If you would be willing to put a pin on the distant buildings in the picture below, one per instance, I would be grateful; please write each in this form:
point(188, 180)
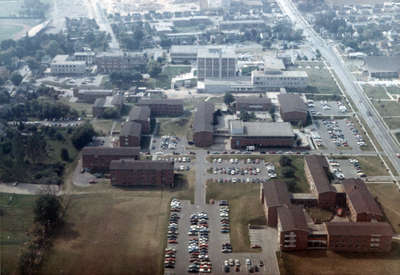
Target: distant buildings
point(292, 108)
point(102, 105)
point(261, 134)
point(285, 79)
point(141, 115)
point(240, 24)
point(120, 62)
point(163, 107)
point(203, 128)
point(218, 63)
point(90, 96)
point(66, 65)
point(383, 66)
point(127, 172)
point(253, 104)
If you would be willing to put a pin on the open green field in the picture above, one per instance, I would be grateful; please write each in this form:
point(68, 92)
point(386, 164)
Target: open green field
point(325, 262)
point(372, 166)
point(375, 92)
point(393, 122)
point(163, 80)
point(175, 126)
point(394, 90)
point(387, 108)
point(79, 106)
point(245, 209)
point(16, 218)
point(389, 198)
point(102, 125)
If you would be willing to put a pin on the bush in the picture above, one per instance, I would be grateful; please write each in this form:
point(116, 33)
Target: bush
point(285, 161)
point(288, 172)
point(83, 135)
point(47, 211)
point(64, 154)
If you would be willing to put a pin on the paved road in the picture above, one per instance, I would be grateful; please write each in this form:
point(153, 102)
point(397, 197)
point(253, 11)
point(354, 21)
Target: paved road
point(353, 90)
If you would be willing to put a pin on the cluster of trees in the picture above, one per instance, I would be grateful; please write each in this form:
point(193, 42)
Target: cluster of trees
point(132, 36)
point(246, 116)
point(288, 171)
point(34, 8)
point(83, 135)
point(336, 26)
point(48, 217)
point(125, 80)
point(38, 110)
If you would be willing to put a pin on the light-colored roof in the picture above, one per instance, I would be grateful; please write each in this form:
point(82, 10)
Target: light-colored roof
point(65, 59)
point(383, 63)
point(216, 52)
point(281, 74)
point(262, 129)
point(273, 63)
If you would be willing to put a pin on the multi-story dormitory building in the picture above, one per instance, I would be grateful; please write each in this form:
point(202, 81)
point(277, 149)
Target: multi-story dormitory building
point(364, 231)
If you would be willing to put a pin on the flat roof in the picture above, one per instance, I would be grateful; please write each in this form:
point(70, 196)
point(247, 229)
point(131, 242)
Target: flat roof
point(262, 129)
point(130, 164)
point(273, 63)
point(252, 100)
point(318, 166)
point(276, 194)
point(149, 101)
point(292, 103)
point(358, 228)
point(383, 63)
point(216, 52)
point(65, 59)
point(281, 74)
point(139, 113)
point(203, 118)
point(111, 151)
point(292, 218)
point(131, 128)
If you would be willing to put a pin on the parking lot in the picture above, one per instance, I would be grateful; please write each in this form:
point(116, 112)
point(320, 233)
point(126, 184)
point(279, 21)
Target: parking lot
point(181, 163)
point(346, 168)
point(337, 134)
point(327, 108)
point(168, 145)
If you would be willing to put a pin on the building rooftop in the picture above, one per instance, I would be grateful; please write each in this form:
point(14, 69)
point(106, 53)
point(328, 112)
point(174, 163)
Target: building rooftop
point(183, 49)
point(112, 151)
point(216, 52)
point(252, 100)
point(276, 194)
point(130, 164)
point(105, 92)
point(358, 228)
point(292, 218)
point(318, 168)
point(281, 74)
point(139, 113)
point(261, 129)
point(65, 59)
point(291, 103)
point(204, 117)
point(131, 128)
point(273, 63)
point(383, 63)
point(361, 199)
point(149, 101)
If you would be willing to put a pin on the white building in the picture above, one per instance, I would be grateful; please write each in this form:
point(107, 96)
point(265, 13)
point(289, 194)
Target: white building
point(63, 64)
point(216, 63)
point(274, 80)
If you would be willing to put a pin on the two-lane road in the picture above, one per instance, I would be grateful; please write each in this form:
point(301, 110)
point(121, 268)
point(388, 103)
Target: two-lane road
point(354, 91)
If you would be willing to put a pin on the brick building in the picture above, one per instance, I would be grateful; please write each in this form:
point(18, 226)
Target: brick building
point(109, 103)
point(142, 172)
point(253, 104)
point(99, 158)
point(203, 128)
point(109, 62)
point(130, 134)
point(261, 134)
point(362, 206)
point(292, 228)
point(273, 195)
point(359, 237)
point(163, 107)
point(90, 96)
point(316, 169)
point(141, 114)
point(292, 108)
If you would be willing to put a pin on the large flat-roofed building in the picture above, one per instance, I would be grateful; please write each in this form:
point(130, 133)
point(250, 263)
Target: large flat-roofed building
point(90, 96)
point(203, 128)
point(183, 53)
point(63, 64)
point(88, 57)
point(253, 103)
point(141, 114)
point(142, 172)
point(120, 62)
point(130, 134)
point(261, 134)
point(292, 228)
point(359, 237)
point(101, 105)
point(239, 24)
point(285, 79)
point(293, 108)
point(217, 63)
point(316, 169)
point(383, 66)
point(163, 107)
point(273, 65)
point(362, 206)
point(99, 158)
point(273, 195)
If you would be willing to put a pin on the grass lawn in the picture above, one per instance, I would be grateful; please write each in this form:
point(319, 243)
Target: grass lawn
point(16, 218)
point(369, 146)
point(393, 122)
point(115, 230)
point(389, 197)
point(372, 166)
point(79, 106)
point(324, 262)
point(163, 80)
point(102, 125)
point(245, 209)
point(387, 108)
point(321, 215)
point(175, 126)
point(375, 92)
point(394, 90)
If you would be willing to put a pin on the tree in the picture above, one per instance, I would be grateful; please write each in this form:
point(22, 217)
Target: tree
point(64, 154)
point(16, 79)
point(47, 211)
point(288, 172)
point(228, 98)
point(83, 135)
point(154, 68)
point(285, 161)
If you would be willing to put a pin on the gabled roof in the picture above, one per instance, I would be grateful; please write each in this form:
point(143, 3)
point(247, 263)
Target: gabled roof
point(358, 228)
point(130, 164)
point(139, 113)
point(291, 103)
point(111, 151)
point(360, 197)
point(203, 118)
point(276, 194)
point(131, 128)
point(318, 167)
point(292, 218)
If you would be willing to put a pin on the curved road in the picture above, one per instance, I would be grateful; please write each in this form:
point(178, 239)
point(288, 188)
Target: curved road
point(354, 91)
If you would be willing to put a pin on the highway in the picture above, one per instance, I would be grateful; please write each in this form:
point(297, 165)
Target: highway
point(353, 90)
